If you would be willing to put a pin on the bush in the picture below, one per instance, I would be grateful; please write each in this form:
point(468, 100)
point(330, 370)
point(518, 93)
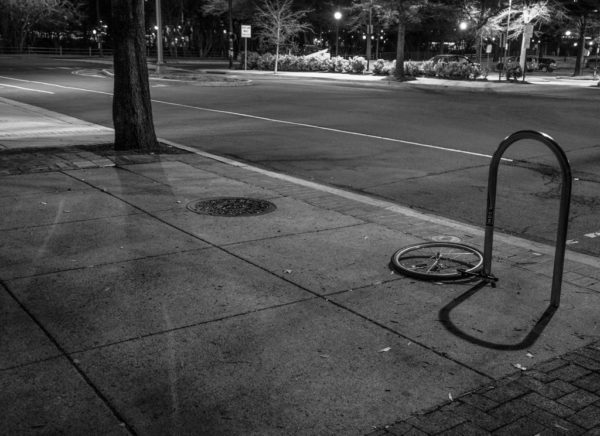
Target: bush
point(252, 62)
point(384, 68)
point(358, 64)
point(427, 68)
point(412, 69)
point(314, 63)
point(287, 63)
point(266, 62)
point(378, 67)
point(339, 65)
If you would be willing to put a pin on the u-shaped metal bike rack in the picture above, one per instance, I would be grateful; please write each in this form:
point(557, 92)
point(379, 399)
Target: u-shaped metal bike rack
point(563, 218)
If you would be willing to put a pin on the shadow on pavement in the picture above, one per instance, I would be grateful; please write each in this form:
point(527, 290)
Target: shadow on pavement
point(528, 341)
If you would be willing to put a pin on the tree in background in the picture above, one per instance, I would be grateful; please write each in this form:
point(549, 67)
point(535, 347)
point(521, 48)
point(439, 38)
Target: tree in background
point(278, 23)
point(401, 13)
point(583, 15)
point(132, 108)
point(18, 18)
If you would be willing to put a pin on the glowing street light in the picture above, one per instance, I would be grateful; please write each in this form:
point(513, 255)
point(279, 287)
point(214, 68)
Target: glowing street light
point(338, 16)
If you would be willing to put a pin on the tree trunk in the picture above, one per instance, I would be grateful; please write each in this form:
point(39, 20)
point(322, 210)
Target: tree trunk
point(399, 72)
point(132, 108)
point(580, 47)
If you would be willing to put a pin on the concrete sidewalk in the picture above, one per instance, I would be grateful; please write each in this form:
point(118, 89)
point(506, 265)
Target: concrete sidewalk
point(125, 312)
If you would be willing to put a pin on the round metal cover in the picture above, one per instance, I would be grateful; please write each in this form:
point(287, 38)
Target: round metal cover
point(231, 206)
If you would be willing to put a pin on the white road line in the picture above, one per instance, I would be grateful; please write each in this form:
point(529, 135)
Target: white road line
point(57, 86)
point(274, 120)
point(329, 129)
point(25, 89)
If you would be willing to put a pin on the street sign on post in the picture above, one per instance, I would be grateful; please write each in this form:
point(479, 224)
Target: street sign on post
point(246, 33)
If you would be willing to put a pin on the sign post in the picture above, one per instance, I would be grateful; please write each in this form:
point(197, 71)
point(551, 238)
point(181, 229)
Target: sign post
point(246, 33)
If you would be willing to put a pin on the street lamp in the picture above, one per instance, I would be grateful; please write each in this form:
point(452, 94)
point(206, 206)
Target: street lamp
point(369, 34)
point(463, 26)
point(338, 16)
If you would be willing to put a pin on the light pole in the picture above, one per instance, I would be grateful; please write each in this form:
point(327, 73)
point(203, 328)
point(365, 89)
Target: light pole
point(369, 33)
point(159, 46)
point(505, 40)
point(338, 16)
point(230, 52)
point(463, 26)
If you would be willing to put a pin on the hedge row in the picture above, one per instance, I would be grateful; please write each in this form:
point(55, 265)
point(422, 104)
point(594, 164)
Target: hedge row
point(338, 64)
point(358, 64)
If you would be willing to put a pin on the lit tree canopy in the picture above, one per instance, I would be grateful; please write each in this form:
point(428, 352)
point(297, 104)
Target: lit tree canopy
point(20, 17)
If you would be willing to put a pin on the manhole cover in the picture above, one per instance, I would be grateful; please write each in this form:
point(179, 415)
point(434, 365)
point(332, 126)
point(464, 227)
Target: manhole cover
point(231, 206)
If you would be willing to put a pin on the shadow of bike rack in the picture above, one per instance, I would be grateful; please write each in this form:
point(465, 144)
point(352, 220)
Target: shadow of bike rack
point(563, 217)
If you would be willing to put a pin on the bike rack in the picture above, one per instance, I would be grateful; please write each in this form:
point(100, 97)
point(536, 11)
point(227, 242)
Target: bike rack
point(565, 199)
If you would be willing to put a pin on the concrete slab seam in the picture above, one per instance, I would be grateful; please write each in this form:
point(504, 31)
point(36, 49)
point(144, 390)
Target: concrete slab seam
point(113, 409)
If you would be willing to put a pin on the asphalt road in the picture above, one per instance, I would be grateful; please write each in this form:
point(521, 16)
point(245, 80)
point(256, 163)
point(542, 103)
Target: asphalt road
point(427, 148)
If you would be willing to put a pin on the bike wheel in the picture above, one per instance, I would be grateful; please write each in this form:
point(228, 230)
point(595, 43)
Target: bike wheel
point(437, 260)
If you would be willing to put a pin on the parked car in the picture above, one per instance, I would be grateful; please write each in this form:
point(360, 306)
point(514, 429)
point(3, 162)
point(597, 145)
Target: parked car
point(592, 63)
point(546, 64)
point(450, 58)
point(531, 63)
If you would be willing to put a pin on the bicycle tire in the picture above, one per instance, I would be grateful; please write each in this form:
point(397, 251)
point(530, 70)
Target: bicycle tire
point(425, 261)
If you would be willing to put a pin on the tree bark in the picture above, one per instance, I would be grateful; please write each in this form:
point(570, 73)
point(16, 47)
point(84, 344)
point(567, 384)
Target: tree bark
point(399, 72)
point(580, 47)
point(132, 107)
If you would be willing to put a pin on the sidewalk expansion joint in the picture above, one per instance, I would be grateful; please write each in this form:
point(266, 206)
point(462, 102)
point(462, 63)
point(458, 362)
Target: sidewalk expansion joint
point(192, 325)
point(70, 359)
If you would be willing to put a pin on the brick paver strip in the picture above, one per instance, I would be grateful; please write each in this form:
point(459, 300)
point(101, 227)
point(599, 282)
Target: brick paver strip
point(569, 372)
point(579, 399)
point(505, 393)
point(548, 405)
point(436, 421)
point(544, 389)
point(589, 382)
point(591, 352)
point(465, 429)
point(550, 365)
point(587, 418)
point(563, 386)
point(478, 417)
point(480, 402)
point(511, 411)
point(555, 423)
point(523, 426)
point(583, 360)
